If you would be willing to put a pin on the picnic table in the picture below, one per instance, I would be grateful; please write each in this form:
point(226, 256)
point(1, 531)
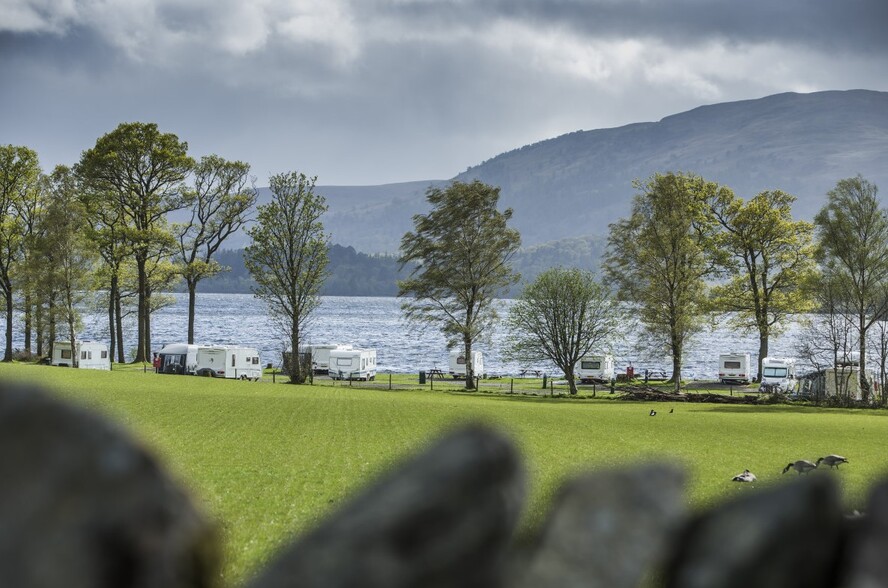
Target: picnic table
point(524, 373)
point(435, 373)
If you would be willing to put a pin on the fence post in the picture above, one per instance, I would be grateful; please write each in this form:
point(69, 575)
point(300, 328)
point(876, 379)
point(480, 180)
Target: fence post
point(511, 385)
point(390, 381)
point(273, 374)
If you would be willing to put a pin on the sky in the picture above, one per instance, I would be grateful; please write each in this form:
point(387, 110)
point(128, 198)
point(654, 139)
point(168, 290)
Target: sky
point(361, 92)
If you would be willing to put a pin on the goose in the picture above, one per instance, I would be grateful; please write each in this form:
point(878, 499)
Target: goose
point(802, 466)
point(832, 461)
point(653, 412)
point(746, 476)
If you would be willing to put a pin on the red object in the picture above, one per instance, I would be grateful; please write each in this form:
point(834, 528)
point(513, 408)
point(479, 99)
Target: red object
point(630, 372)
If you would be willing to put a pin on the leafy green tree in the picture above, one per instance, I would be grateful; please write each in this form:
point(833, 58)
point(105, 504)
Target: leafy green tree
point(768, 257)
point(853, 252)
point(560, 317)
point(19, 177)
point(288, 257)
point(222, 201)
point(66, 252)
point(462, 250)
point(139, 171)
point(660, 255)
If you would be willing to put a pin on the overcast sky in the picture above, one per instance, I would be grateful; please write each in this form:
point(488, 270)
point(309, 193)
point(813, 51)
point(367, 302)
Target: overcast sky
point(377, 91)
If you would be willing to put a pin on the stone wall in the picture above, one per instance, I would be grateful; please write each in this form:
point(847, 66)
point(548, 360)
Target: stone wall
point(82, 505)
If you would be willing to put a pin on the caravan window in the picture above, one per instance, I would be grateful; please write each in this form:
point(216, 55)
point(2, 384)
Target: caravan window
point(732, 365)
point(460, 360)
point(256, 360)
point(590, 365)
point(86, 355)
point(232, 360)
point(774, 372)
point(65, 353)
point(344, 361)
point(104, 354)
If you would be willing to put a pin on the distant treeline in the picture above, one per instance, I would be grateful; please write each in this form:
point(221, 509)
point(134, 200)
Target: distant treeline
point(353, 273)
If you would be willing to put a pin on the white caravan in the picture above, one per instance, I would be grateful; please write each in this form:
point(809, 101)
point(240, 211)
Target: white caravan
point(595, 369)
point(228, 361)
point(91, 355)
point(457, 364)
point(320, 355)
point(178, 358)
point(353, 364)
point(778, 375)
point(734, 368)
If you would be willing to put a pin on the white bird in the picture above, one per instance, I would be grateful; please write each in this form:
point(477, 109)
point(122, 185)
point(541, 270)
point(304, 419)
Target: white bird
point(802, 466)
point(832, 461)
point(746, 476)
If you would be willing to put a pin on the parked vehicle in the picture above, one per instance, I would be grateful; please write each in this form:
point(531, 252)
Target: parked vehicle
point(353, 364)
point(778, 375)
point(178, 358)
point(320, 355)
point(457, 364)
point(91, 355)
point(228, 361)
point(734, 368)
point(592, 369)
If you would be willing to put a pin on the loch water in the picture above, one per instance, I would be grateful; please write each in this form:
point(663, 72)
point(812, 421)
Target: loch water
point(377, 322)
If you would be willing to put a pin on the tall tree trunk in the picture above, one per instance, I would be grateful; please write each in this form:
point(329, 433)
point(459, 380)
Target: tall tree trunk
point(111, 326)
point(192, 297)
point(296, 372)
point(865, 386)
point(147, 324)
point(571, 380)
point(676, 362)
point(38, 328)
point(142, 304)
point(763, 352)
point(7, 354)
point(118, 311)
point(470, 365)
point(28, 325)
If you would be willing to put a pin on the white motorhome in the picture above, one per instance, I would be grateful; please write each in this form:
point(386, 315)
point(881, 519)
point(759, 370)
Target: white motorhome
point(734, 368)
point(778, 375)
point(91, 355)
point(228, 361)
point(457, 364)
point(595, 369)
point(320, 355)
point(178, 358)
point(353, 364)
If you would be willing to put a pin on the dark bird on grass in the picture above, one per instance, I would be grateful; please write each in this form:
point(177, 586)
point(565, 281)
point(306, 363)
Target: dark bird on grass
point(746, 476)
point(653, 412)
point(671, 410)
point(802, 466)
point(832, 461)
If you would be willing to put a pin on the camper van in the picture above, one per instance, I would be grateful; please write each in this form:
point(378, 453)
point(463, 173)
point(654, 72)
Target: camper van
point(593, 369)
point(353, 364)
point(320, 355)
point(457, 364)
point(778, 375)
point(734, 368)
point(178, 358)
point(91, 355)
point(228, 361)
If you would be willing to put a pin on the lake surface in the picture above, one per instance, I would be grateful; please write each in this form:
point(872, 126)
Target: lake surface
point(401, 348)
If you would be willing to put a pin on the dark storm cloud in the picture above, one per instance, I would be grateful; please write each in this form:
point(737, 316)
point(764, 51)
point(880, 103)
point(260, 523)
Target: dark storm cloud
point(371, 90)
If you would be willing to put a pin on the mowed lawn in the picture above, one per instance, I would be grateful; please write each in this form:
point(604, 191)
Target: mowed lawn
point(269, 460)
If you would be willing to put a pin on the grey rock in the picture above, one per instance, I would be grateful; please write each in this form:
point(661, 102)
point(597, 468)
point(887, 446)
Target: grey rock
point(868, 544)
point(607, 528)
point(442, 519)
point(783, 537)
point(82, 505)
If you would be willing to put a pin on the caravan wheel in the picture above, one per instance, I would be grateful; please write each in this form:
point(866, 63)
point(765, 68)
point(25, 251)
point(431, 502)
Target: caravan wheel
point(243, 377)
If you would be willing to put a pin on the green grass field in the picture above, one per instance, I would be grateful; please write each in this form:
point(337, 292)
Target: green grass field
point(267, 460)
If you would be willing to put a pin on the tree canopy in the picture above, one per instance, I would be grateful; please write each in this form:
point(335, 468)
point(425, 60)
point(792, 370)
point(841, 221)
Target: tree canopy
point(288, 257)
point(660, 255)
point(768, 257)
point(462, 249)
point(561, 316)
